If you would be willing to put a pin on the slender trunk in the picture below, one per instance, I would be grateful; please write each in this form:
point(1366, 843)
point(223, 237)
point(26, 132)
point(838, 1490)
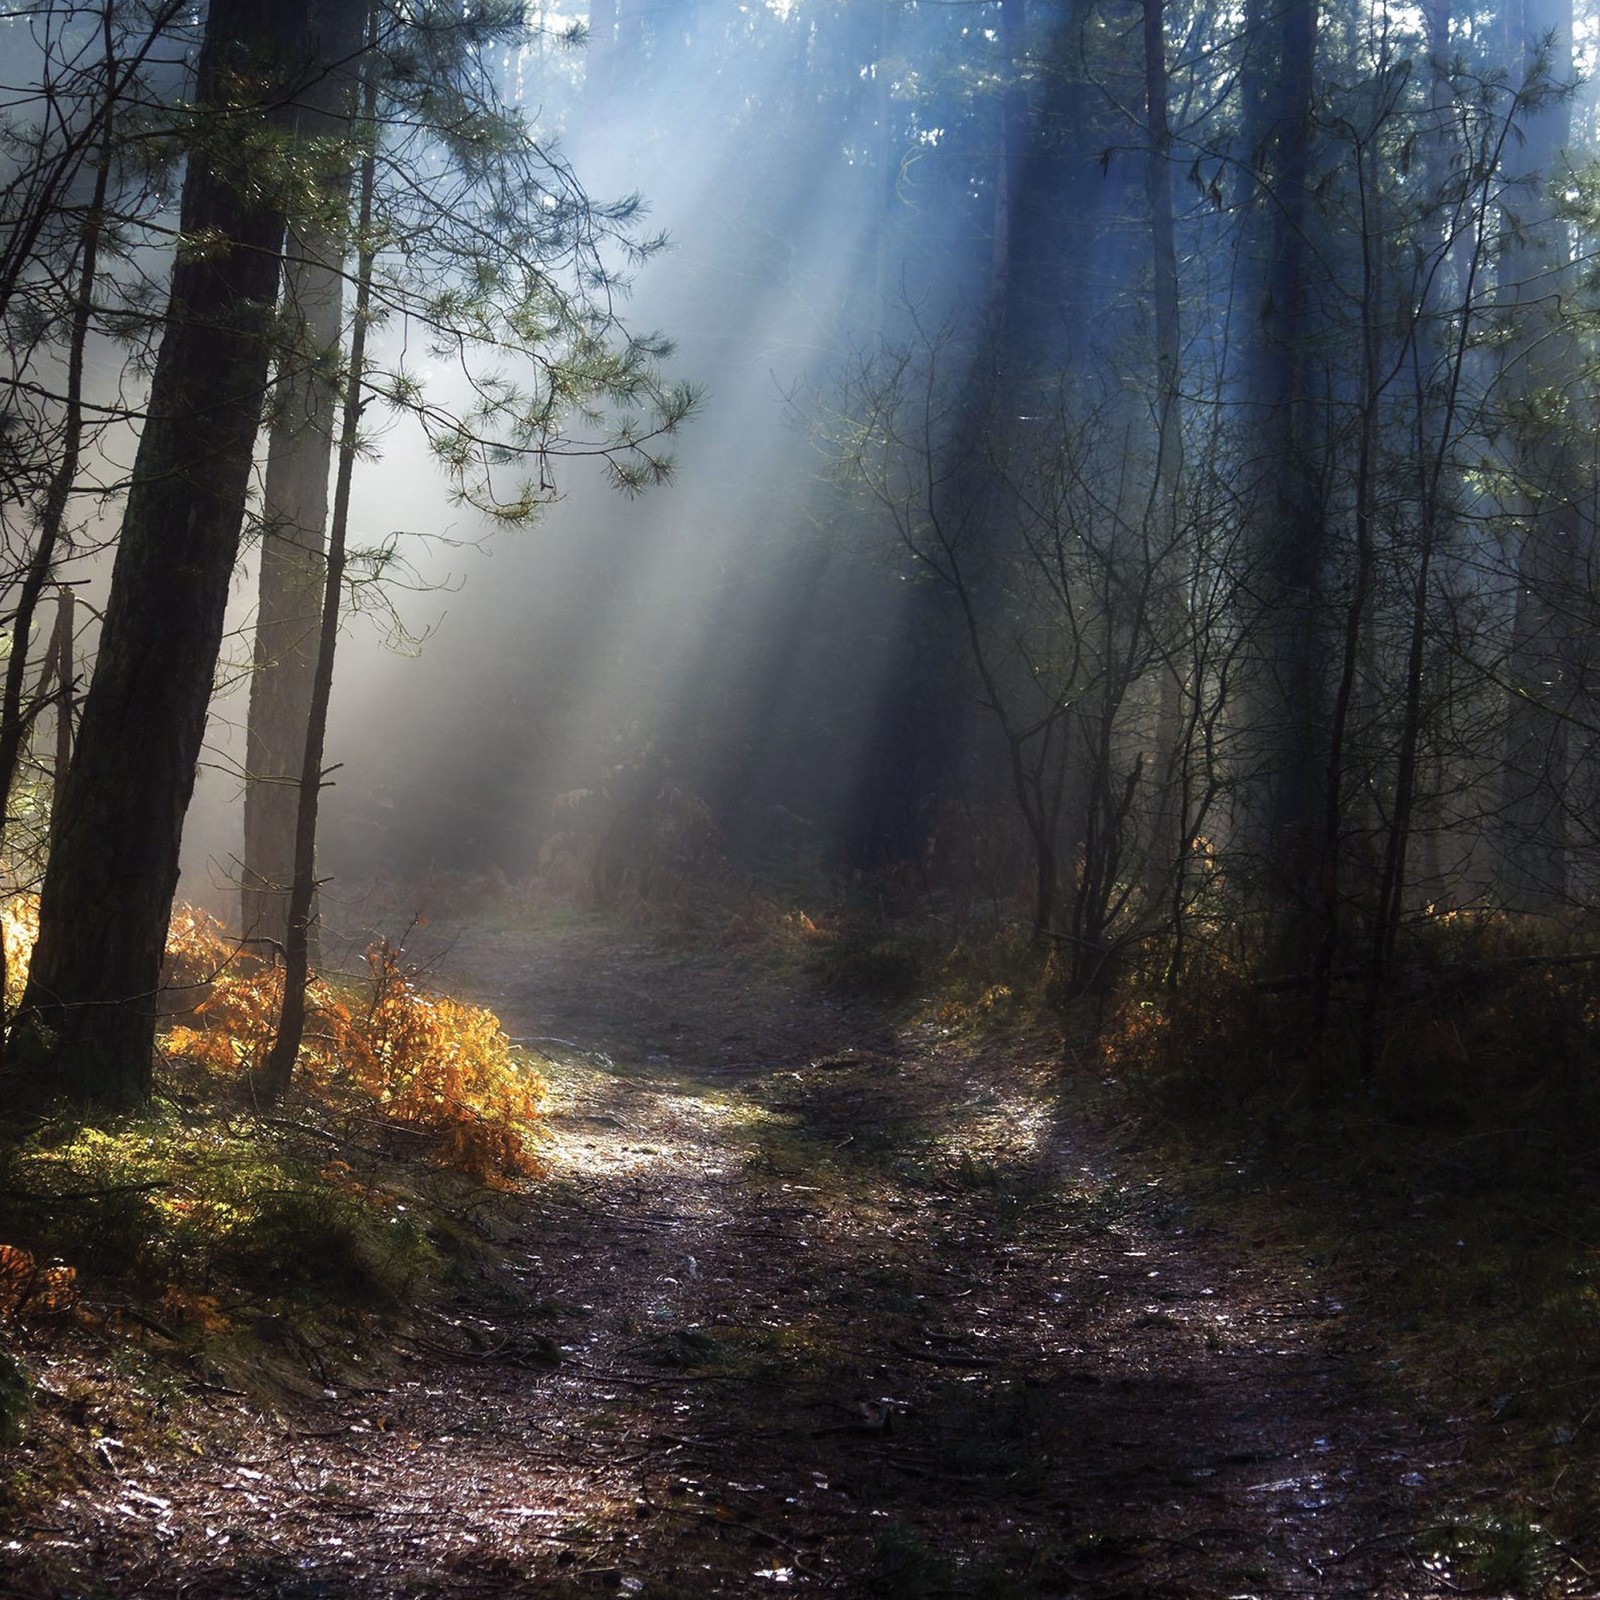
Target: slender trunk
point(88, 1014)
point(279, 1066)
point(885, 163)
point(1436, 427)
point(1164, 858)
point(1541, 364)
point(295, 509)
point(1356, 618)
point(1010, 149)
point(14, 716)
point(293, 537)
point(61, 652)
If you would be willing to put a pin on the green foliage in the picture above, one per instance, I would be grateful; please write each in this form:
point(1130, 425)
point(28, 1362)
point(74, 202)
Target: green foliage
point(324, 1243)
point(1499, 1554)
point(196, 1214)
point(484, 237)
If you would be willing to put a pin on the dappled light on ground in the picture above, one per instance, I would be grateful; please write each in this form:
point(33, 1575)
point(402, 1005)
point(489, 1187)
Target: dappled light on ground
point(814, 1304)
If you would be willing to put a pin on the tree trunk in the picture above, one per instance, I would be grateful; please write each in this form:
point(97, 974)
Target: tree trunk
point(1164, 863)
point(87, 1021)
point(301, 908)
point(295, 510)
point(61, 653)
point(1287, 715)
point(1541, 367)
point(1010, 154)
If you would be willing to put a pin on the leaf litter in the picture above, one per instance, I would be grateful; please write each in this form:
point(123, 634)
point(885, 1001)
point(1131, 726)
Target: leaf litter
point(807, 1301)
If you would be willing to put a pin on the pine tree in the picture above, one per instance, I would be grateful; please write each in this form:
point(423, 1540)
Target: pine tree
point(87, 1019)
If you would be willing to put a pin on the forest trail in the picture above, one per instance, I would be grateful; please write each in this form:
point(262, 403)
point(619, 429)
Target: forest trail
point(804, 1304)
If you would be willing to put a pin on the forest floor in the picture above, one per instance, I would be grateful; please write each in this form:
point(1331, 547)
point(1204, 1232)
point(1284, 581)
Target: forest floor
point(809, 1300)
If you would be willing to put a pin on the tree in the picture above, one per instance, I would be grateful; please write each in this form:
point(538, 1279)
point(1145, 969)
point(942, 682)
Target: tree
point(1285, 426)
point(87, 1019)
point(295, 506)
point(487, 249)
point(1545, 480)
point(275, 1071)
point(510, 220)
point(76, 193)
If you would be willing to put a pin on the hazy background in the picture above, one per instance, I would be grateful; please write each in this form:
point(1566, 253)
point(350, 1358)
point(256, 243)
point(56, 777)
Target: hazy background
point(726, 637)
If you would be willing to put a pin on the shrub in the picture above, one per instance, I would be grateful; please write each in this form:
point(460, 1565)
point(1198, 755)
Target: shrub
point(27, 1287)
point(1211, 1042)
point(318, 1241)
point(187, 1204)
point(186, 1215)
point(19, 927)
point(424, 1061)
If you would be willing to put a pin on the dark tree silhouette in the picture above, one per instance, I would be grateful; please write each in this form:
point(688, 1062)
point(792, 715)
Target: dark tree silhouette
point(87, 1020)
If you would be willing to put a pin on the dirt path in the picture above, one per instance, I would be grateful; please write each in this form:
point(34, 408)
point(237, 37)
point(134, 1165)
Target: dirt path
point(805, 1304)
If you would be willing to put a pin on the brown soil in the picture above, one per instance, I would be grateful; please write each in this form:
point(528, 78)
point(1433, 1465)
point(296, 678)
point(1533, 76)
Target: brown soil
point(808, 1302)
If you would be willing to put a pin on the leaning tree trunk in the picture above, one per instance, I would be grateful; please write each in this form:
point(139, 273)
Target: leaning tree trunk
point(87, 1021)
point(295, 509)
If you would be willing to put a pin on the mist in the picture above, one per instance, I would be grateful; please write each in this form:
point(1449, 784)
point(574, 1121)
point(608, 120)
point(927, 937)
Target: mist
point(725, 637)
point(1046, 862)
point(1075, 518)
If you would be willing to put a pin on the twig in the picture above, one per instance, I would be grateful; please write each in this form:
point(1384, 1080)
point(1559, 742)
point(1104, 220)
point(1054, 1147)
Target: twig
point(108, 1307)
point(934, 1359)
point(84, 1194)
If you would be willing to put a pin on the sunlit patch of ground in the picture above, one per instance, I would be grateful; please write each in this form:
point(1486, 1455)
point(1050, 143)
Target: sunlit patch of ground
point(604, 1123)
point(804, 1304)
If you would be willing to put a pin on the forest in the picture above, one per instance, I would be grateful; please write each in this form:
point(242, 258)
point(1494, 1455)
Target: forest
point(799, 795)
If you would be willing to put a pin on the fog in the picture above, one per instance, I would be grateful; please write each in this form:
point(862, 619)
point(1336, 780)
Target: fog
point(1125, 461)
point(727, 635)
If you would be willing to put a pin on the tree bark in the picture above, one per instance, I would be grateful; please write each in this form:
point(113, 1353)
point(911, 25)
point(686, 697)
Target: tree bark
point(1288, 536)
point(1164, 856)
point(87, 1021)
point(295, 508)
point(61, 654)
point(1541, 367)
point(301, 908)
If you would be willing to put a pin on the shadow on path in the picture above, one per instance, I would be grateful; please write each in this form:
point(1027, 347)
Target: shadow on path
point(807, 1304)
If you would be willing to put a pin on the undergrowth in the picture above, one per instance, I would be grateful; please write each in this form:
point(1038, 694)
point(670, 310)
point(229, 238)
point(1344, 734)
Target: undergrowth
point(204, 1215)
point(944, 973)
point(1453, 1192)
point(426, 1062)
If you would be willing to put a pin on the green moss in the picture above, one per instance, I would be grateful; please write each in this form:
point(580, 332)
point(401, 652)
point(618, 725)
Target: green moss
point(196, 1209)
